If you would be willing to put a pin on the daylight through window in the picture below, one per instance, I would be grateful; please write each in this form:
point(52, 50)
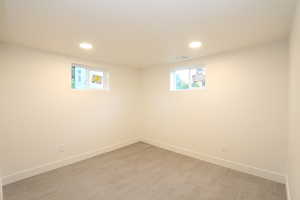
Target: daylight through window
point(83, 77)
point(188, 78)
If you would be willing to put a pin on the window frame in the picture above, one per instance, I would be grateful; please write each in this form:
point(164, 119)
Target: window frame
point(106, 86)
point(173, 80)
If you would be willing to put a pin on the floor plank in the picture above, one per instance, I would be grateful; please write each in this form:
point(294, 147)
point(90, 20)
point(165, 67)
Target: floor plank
point(144, 172)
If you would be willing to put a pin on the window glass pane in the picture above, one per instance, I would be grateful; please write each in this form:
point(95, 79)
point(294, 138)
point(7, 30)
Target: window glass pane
point(182, 79)
point(85, 78)
point(79, 77)
point(197, 77)
point(96, 79)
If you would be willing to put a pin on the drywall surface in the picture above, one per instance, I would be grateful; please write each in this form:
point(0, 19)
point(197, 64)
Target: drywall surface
point(1, 194)
point(44, 121)
point(239, 119)
point(294, 103)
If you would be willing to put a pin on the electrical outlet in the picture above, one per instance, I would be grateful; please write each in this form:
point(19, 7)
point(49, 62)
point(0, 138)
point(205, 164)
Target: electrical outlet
point(224, 150)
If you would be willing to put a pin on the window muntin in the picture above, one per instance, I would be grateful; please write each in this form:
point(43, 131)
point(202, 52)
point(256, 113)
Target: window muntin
point(188, 78)
point(83, 77)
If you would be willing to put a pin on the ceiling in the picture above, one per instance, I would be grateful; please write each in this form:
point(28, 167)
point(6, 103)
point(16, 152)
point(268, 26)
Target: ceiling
point(141, 33)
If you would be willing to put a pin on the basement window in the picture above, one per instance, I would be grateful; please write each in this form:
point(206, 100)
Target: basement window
point(188, 78)
point(84, 77)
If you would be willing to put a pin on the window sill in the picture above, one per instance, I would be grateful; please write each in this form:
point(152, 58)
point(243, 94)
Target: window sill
point(184, 90)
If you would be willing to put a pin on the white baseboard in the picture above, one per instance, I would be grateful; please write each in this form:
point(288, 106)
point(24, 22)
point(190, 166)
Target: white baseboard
point(274, 176)
point(60, 163)
point(287, 185)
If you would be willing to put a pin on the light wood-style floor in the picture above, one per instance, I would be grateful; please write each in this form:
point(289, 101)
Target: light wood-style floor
point(144, 172)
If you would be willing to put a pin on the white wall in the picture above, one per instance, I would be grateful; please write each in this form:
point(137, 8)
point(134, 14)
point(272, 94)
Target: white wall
point(40, 111)
point(294, 103)
point(1, 155)
point(1, 195)
point(240, 117)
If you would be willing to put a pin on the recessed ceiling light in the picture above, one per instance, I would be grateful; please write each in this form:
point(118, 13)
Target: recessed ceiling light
point(85, 45)
point(195, 44)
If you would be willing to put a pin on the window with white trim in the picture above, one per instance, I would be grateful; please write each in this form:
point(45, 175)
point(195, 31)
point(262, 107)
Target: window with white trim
point(84, 77)
point(188, 78)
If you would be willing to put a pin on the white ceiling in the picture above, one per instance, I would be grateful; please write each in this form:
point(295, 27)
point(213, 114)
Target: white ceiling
point(141, 33)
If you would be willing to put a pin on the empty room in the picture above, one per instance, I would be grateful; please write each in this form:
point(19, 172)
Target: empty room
point(149, 100)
